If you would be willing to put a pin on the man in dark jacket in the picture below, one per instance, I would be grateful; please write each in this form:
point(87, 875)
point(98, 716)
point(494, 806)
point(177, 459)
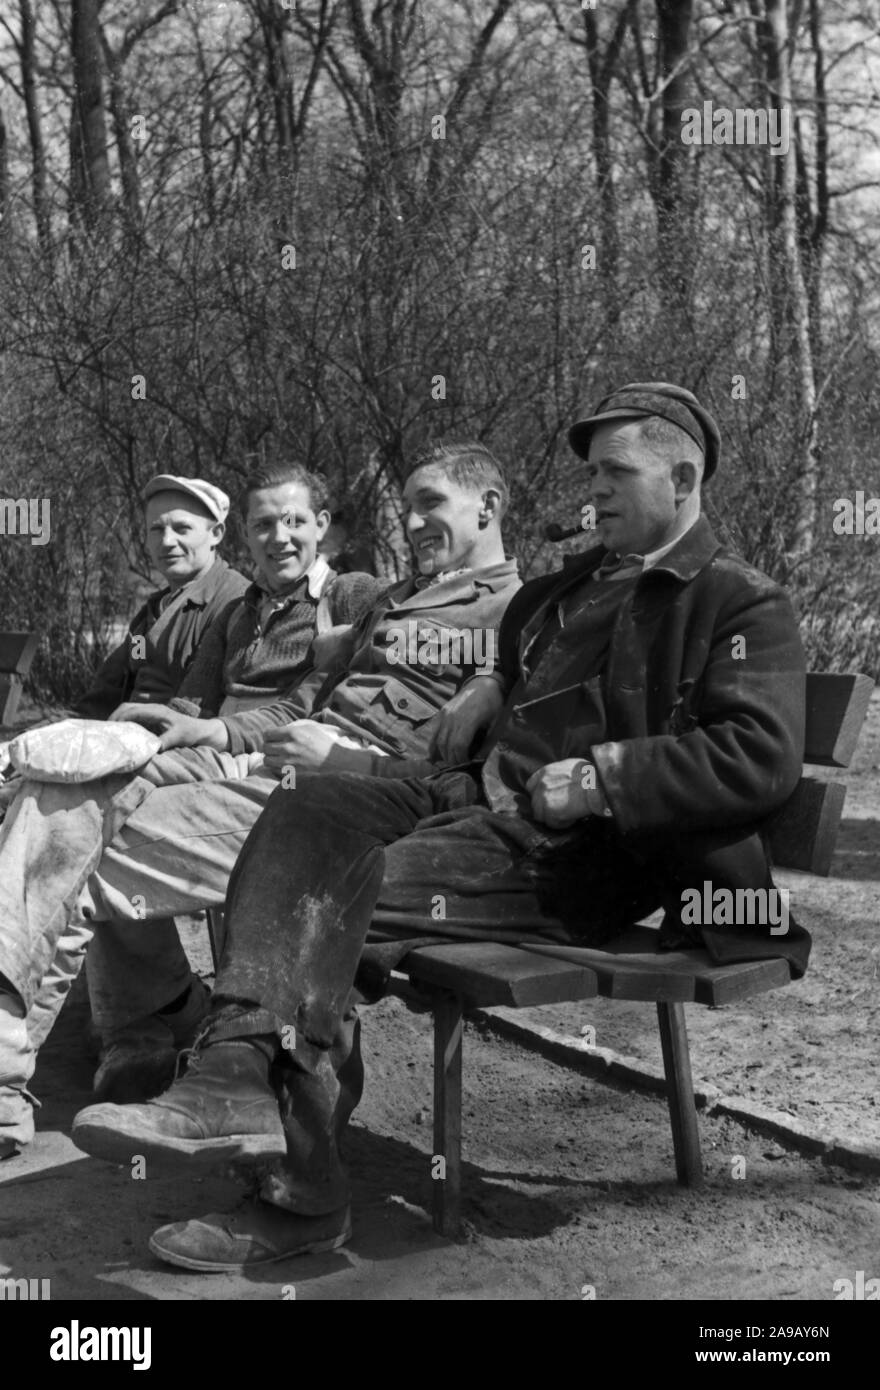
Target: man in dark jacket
point(646, 718)
point(185, 521)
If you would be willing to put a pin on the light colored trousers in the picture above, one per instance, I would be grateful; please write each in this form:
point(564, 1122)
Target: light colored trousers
point(120, 852)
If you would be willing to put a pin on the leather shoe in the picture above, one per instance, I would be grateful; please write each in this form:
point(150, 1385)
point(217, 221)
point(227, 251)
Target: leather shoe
point(222, 1111)
point(258, 1235)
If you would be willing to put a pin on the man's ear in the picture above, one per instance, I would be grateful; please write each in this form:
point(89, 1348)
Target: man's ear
point(322, 522)
point(218, 531)
point(491, 506)
point(686, 477)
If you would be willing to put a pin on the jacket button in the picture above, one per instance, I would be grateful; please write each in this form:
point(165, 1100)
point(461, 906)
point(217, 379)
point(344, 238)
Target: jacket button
point(402, 703)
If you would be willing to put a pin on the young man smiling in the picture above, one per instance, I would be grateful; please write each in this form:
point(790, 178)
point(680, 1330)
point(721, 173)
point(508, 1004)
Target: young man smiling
point(178, 842)
point(630, 754)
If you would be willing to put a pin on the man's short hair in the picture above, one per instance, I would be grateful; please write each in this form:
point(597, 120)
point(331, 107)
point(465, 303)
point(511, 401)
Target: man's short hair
point(467, 463)
point(670, 442)
point(276, 474)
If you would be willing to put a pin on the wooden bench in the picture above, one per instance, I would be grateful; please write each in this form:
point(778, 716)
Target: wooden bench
point(467, 975)
point(17, 650)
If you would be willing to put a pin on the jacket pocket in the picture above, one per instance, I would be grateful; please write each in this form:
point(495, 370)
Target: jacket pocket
point(398, 716)
point(564, 723)
point(404, 703)
point(681, 718)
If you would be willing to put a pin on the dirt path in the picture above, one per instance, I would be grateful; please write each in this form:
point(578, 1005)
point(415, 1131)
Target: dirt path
point(568, 1182)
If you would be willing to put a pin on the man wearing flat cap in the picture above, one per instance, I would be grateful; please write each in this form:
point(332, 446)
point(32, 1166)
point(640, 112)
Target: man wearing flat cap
point(185, 523)
point(646, 718)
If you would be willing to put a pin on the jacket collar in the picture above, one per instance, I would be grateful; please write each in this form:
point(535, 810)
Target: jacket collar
point(199, 591)
point(457, 588)
point(687, 557)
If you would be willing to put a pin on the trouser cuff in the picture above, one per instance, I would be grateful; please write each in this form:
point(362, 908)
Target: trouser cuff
point(238, 1021)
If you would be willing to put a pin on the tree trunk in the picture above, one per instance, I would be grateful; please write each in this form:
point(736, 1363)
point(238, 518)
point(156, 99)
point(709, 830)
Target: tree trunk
point(34, 124)
point(793, 330)
point(672, 195)
point(602, 70)
point(819, 227)
point(120, 108)
point(4, 177)
point(89, 164)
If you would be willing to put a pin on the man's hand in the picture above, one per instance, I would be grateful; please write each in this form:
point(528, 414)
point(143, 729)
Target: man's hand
point(176, 730)
point(306, 746)
point(467, 714)
point(562, 792)
point(156, 717)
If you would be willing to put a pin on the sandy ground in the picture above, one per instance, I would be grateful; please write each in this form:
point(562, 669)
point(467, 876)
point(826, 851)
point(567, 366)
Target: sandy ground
point(568, 1181)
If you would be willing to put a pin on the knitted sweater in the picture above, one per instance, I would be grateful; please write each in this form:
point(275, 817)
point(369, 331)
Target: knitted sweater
point(244, 662)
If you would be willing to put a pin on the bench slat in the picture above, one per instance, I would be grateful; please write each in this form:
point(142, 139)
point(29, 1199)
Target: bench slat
point(803, 833)
point(17, 651)
point(631, 967)
point(485, 973)
point(10, 695)
point(836, 709)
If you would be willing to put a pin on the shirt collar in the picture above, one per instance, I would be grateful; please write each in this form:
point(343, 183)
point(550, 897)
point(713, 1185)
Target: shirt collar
point(428, 581)
point(314, 580)
point(317, 576)
point(624, 566)
point(492, 577)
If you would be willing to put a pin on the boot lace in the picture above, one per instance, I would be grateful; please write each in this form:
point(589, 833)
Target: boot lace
point(189, 1058)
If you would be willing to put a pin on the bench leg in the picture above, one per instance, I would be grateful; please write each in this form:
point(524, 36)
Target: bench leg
point(447, 1114)
point(680, 1093)
point(216, 921)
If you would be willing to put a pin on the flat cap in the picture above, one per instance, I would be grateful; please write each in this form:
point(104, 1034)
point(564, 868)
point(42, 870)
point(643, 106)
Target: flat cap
point(211, 497)
point(642, 398)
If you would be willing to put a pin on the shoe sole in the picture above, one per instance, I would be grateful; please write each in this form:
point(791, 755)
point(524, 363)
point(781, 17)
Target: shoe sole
point(119, 1144)
point(241, 1266)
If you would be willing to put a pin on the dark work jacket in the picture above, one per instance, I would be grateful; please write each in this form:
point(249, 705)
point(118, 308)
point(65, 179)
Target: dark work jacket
point(704, 699)
point(149, 665)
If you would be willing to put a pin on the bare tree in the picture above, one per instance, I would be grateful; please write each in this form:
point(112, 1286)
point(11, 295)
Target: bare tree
point(793, 321)
point(25, 49)
point(90, 189)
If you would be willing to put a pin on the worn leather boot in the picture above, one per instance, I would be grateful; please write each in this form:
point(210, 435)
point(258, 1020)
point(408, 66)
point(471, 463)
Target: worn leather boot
point(139, 1061)
point(223, 1111)
point(259, 1234)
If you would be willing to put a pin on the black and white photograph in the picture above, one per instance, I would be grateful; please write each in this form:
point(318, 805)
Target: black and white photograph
point(439, 627)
